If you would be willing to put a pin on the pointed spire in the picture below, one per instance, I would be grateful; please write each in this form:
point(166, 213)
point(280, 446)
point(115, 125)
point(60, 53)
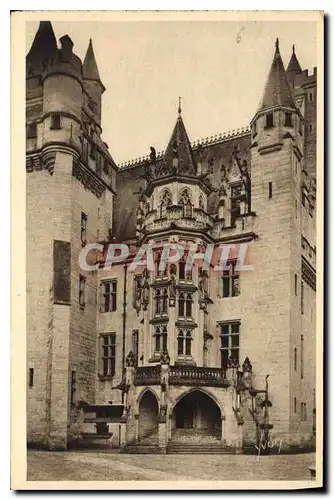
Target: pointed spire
point(178, 152)
point(89, 69)
point(179, 108)
point(277, 90)
point(42, 47)
point(293, 67)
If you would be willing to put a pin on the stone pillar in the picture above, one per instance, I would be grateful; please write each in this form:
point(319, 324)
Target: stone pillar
point(223, 432)
point(122, 437)
point(163, 428)
point(136, 416)
point(164, 360)
point(239, 442)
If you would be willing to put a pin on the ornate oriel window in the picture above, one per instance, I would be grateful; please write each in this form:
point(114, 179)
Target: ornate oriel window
point(165, 201)
point(185, 200)
point(182, 303)
point(185, 273)
point(184, 340)
point(160, 338)
point(230, 281)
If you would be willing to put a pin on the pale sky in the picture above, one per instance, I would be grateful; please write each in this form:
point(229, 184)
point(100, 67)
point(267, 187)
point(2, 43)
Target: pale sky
point(145, 66)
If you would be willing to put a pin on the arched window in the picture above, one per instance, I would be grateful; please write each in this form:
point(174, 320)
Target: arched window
point(189, 302)
point(158, 272)
point(164, 301)
point(181, 304)
point(182, 269)
point(201, 202)
point(184, 343)
point(160, 335)
point(180, 341)
point(165, 201)
point(188, 343)
point(185, 200)
point(157, 299)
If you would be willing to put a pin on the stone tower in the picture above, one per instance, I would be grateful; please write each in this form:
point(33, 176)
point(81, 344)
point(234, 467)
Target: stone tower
point(70, 189)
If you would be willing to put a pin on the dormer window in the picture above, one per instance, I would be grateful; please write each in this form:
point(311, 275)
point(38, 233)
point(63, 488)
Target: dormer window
point(185, 200)
point(166, 201)
point(269, 120)
point(288, 119)
point(55, 123)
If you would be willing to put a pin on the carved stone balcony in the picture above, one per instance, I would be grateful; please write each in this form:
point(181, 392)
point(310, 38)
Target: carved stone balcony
point(182, 375)
point(175, 215)
point(197, 376)
point(148, 375)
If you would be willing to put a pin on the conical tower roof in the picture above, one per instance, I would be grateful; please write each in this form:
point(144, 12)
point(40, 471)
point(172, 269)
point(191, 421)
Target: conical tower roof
point(89, 69)
point(277, 91)
point(43, 46)
point(179, 148)
point(293, 67)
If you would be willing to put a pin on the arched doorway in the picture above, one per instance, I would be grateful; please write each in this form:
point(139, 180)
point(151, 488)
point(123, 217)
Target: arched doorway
point(148, 416)
point(196, 414)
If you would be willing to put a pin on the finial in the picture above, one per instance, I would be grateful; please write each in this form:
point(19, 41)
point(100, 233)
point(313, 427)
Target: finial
point(293, 48)
point(277, 45)
point(179, 108)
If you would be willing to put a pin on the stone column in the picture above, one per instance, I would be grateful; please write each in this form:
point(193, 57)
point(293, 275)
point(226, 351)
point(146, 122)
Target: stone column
point(223, 432)
point(136, 416)
point(164, 360)
point(239, 442)
point(122, 437)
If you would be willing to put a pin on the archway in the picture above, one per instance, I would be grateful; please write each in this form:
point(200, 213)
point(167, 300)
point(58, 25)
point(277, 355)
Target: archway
point(148, 416)
point(196, 413)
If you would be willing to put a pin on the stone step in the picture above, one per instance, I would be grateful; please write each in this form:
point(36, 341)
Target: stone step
point(138, 449)
point(198, 450)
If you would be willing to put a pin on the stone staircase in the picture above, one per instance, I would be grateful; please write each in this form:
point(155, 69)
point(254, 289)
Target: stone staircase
point(147, 444)
point(196, 441)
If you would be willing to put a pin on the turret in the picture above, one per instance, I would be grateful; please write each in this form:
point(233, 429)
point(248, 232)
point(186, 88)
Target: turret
point(62, 95)
point(92, 82)
point(277, 117)
point(42, 48)
point(293, 68)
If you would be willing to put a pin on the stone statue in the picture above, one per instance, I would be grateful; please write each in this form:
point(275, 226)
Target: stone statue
point(164, 357)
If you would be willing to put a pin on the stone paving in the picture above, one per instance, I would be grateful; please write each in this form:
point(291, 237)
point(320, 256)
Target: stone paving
point(97, 466)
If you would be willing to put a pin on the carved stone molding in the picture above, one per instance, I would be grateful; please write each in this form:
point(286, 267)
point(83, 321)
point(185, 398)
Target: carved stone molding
point(44, 162)
point(88, 179)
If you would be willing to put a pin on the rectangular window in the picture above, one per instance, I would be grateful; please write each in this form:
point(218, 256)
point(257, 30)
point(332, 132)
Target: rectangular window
point(109, 354)
point(288, 119)
point(310, 129)
point(229, 342)
point(135, 339)
point(303, 412)
point(302, 356)
point(73, 385)
point(106, 167)
point(108, 296)
point(55, 123)
point(83, 235)
point(32, 130)
point(296, 284)
point(295, 359)
point(31, 377)
point(254, 130)
point(302, 298)
point(230, 281)
point(82, 287)
point(160, 339)
point(269, 120)
point(311, 96)
point(294, 405)
point(270, 190)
